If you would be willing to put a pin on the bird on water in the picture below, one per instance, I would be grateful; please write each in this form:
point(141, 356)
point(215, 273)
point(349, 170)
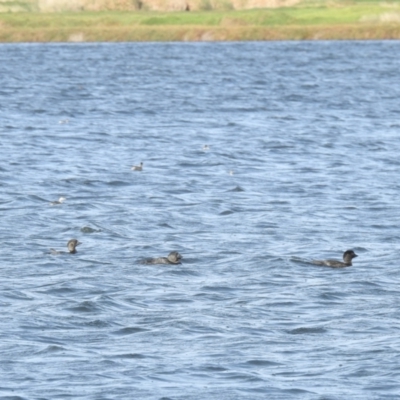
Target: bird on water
point(348, 256)
point(71, 245)
point(137, 167)
point(173, 258)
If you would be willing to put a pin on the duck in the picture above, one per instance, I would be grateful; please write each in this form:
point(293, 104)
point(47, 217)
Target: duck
point(137, 167)
point(173, 258)
point(348, 256)
point(71, 245)
point(57, 202)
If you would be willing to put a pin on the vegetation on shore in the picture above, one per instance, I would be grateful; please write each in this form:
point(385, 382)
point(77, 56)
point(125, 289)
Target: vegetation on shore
point(306, 21)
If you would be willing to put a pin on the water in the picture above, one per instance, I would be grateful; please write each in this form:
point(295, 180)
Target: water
point(303, 163)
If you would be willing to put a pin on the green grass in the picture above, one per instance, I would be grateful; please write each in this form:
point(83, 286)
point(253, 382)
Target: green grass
point(18, 6)
point(184, 18)
point(315, 18)
point(311, 14)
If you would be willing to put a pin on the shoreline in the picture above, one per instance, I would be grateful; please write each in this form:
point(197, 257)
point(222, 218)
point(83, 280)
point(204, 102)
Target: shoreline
point(200, 34)
point(297, 23)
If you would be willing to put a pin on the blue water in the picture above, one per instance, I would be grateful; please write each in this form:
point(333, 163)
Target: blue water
point(303, 163)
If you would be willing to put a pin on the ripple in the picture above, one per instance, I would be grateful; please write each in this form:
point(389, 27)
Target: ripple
point(305, 331)
point(262, 363)
point(131, 356)
point(88, 229)
point(228, 212)
point(236, 189)
point(85, 307)
point(129, 331)
point(51, 349)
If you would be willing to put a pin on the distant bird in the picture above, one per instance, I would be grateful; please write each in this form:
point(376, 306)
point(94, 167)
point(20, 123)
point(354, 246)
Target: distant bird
point(71, 247)
point(206, 147)
point(230, 172)
point(137, 167)
point(173, 258)
point(348, 256)
point(58, 202)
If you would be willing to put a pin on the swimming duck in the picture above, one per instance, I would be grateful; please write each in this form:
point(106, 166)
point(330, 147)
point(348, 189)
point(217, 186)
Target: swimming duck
point(348, 255)
point(137, 167)
point(57, 202)
point(173, 258)
point(71, 247)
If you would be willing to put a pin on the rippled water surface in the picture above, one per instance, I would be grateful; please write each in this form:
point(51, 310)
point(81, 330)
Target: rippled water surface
point(303, 162)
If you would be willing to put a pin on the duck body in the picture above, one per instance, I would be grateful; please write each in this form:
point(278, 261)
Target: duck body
point(137, 167)
point(58, 202)
point(173, 258)
point(71, 245)
point(348, 256)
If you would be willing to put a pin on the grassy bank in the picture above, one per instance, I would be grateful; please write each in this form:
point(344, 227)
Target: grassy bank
point(355, 20)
